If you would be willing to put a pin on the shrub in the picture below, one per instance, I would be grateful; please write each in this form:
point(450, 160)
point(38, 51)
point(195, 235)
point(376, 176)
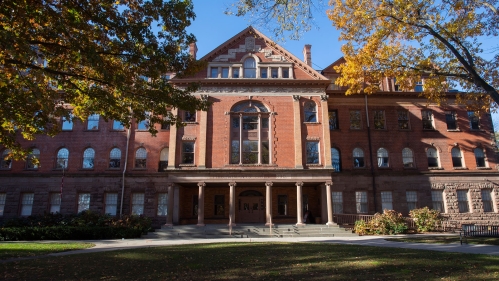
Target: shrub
point(426, 219)
point(390, 222)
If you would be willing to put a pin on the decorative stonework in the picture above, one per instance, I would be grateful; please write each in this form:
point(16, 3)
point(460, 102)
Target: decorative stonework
point(249, 47)
point(204, 98)
point(324, 97)
point(243, 90)
point(296, 97)
point(310, 138)
point(188, 138)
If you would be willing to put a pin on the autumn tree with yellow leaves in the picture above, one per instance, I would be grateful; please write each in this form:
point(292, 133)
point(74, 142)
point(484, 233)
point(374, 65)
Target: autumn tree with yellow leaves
point(104, 57)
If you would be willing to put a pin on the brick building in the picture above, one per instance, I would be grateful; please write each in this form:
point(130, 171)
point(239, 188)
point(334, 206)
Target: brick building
point(280, 139)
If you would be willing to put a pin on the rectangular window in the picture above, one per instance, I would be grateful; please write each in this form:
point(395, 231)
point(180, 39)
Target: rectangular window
point(189, 116)
point(111, 204)
point(225, 72)
point(379, 119)
point(265, 152)
point(235, 72)
point(412, 200)
point(93, 122)
point(337, 202)
point(274, 72)
point(250, 152)
point(474, 120)
point(263, 72)
point(403, 119)
point(55, 202)
point(143, 125)
point(285, 72)
point(487, 200)
point(219, 205)
point(27, 204)
point(427, 118)
point(234, 157)
point(188, 153)
point(165, 126)
point(67, 123)
point(162, 204)
point(214, 72)
point(396, 86)
point(312, 152)
point(83, 202)
point(138, 204)
point(333, 120)
point(419, 86)
point(282, 205)
point(450, 119)
point(355, 119)
point(118, 126)
point(462, 201)
point(437, 200)
point(361, 202)
point(386, 200)
point(2, 203)
point(195, 200)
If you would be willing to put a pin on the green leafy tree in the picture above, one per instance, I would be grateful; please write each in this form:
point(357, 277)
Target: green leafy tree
point(76, 58)
point(440, 41)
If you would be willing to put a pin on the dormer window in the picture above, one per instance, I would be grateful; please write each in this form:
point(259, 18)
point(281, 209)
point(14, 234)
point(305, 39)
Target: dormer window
point(214, 72)
point(263, 72)
point(250, 68)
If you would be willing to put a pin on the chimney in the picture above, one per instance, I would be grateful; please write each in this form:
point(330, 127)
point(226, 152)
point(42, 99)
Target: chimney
point(307, 54)
point(193, 49)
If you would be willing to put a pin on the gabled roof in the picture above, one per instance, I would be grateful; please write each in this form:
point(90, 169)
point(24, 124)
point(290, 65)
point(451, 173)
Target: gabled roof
point(330, 68)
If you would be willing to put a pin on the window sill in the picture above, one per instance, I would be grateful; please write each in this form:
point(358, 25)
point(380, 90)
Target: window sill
point(483, 168)
point(459, 168)
point(312, 123)
point(87, 130)
point(187, 165)
point(453, 130)
point(313, 165)
point(190, 122)
point(435, 168)
point(251, 165)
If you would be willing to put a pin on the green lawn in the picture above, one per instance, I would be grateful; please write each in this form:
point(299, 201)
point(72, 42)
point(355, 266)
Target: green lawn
point(28, 249)
point(446, 240)
point(258, 261)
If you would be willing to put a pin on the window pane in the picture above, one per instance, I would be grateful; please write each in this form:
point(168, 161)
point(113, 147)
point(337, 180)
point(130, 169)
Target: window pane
point(379, 119)
point(487, 200)
point(361, 201)
point(355, 120)
point(83, 202)
point(462, 200)
point(88, 158)
point(474, 120)
point(111, 203)
point(427, 118)
point(432, 156)
point(285, 72)
point(219, 205)
point(235, 72)
point(407, 158)
point(27, 204)
point(333, 120)
point(93, 122)
point(188, 153)
point(456, 157)
point(437, 199)
point(386, 200)
point(337, 198)
point(403, 120)
point(162, 204)
point(335, 158)
point(2, 203)
point(274, 72)
point(6, 160)
point(62, 158)
point(479, 157)
point(312, 152)
point(117, 125)
point(138, 204)
point(450, 119)
point(250, 68)
point(310, 112)
point(225, 72)
point(382, 158)
point(67, 123)
point(114, 158)
point(358, 158)
point(250, 152)
point(214, 72)
point(189, 116)
point(140, 158)
point(265, 152)
point(263, 72)
point(32, 158)
point(412, 199)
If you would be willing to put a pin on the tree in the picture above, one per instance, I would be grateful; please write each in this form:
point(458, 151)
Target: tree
point(408, 40)
point(75, 58)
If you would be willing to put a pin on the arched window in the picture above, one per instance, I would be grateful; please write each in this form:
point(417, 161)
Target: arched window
point(310, 112)
point(358, 158)
point(163, 159)
point(140, 158)
point(115, 158)
point(335, 158)
point(382, 158)
point(456, 157)
point(408, 158)
point(249, 68)
point(88, 158)
point(62, 158)
point(479, 157)
point(6, 161)
point(432, 156)
point(250, 133)
point(33, 157)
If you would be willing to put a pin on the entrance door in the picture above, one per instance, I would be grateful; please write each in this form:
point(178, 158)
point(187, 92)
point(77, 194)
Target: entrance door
point(251, 209)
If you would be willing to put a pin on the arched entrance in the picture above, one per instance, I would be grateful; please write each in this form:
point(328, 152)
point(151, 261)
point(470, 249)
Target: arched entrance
point(251, 207)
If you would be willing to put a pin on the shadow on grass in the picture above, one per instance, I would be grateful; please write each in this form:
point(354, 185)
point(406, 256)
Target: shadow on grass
point(9, 250)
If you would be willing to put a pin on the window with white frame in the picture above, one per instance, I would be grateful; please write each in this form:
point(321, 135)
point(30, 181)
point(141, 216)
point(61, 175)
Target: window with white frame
point(3, 197)
point(225, 72)
point(249, 68)
point(408, 158)
point(419, 86)
point(162, 204)
point(62, 158)
point(451, 120)
point(188, 152)
point(412, 200)
point(312, 152)
point(163, 159)
point(83, 202)
point(282, 205)
point(55, 202)
point(27, 204)
point(479, 157)
point(361, 202)
point(437, 200)
point(137, 203)
point(32, 159)
point(214, 72)
point(250, 134)
point(118, 126)
point(310, 112)
point(88, 158)
point(337, 197)
point(93, 122)
point(487, 200)
point(115, 158)
point(6, 160)
point(474, 120)
point(403, 119)
point(67, 123)
point(457, 161)
point(382, 158)
point(264, 72)
point(386, 200)
point(462, 201)
point(274, 72)
point(427, 118)
point(190, 117)
point(141, 158)
point(432, 156)
point(355, 120)
point(379, 120)
point(111, 203)
point(358, 158)
point(336, 159)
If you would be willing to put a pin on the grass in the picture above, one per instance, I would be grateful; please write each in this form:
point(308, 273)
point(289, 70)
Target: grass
point(258, 261)
point(10, 250)
point(447, 240)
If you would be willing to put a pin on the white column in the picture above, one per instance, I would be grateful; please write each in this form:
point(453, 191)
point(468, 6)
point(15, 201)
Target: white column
point(201, 186)
point(329, 203)
point(232, 204)
point(268, 203)
point(299, 203)
point(169, 215)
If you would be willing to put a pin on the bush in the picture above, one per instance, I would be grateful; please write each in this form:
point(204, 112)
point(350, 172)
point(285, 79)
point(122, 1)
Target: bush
point(426, 219)
point(390, 222)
